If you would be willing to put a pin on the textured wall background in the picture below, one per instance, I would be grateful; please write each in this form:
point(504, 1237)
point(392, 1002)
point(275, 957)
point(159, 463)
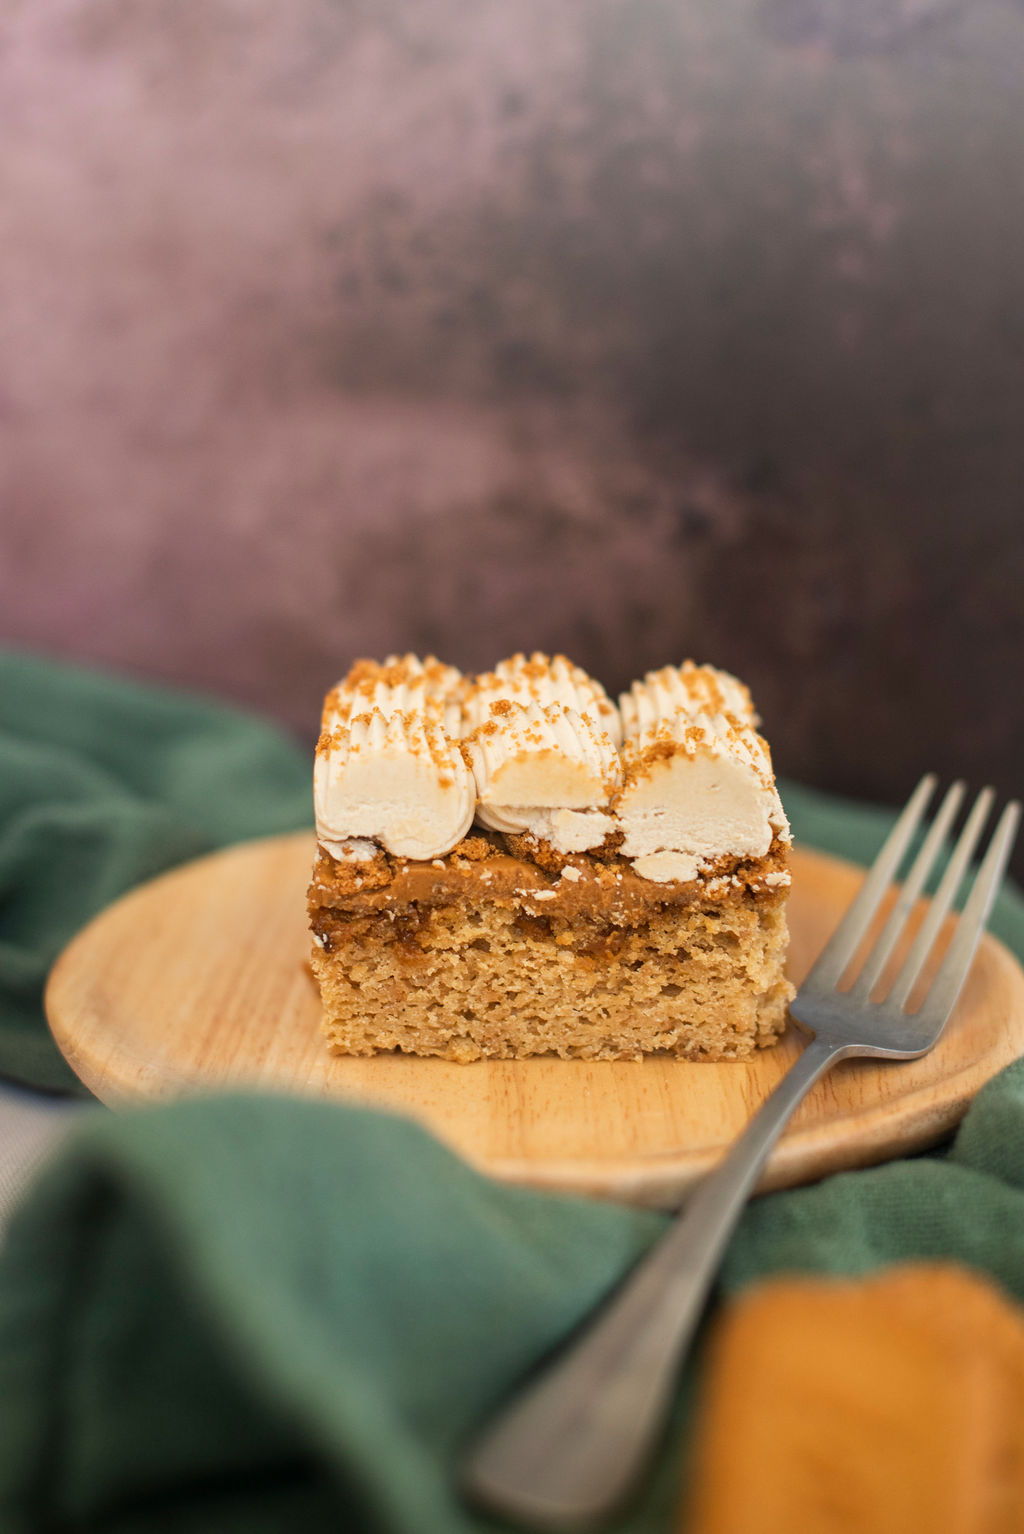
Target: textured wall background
point(638, 328)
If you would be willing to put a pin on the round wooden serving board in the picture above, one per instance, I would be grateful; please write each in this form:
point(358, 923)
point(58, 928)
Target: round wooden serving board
point(199, 980)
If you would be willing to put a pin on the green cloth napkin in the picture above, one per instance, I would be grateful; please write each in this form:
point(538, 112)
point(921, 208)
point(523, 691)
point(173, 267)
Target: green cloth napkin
point(265, 1315)
point(104, 783)
point(268, 1315)
point(277, 1317)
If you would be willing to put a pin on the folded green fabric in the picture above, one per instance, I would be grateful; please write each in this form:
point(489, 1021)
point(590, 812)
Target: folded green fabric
point(249, 1314)
point(269, 1315)
point(279, 1317)
point(104, 783)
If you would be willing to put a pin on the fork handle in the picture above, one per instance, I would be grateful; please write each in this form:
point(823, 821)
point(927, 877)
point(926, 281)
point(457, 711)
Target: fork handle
point(570, 1446)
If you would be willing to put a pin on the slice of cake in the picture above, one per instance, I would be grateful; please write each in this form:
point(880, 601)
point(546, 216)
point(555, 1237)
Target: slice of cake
point(510, 865)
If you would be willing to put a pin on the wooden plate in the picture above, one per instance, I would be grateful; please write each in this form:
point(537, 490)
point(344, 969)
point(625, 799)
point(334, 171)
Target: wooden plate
point(199, 980)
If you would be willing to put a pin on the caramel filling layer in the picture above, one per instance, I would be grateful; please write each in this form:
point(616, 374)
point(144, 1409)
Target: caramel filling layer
point(580, 888)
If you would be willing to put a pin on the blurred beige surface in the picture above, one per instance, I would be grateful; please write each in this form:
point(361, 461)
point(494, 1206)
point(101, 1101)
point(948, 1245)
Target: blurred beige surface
point(637, 331)
point(32, 1125)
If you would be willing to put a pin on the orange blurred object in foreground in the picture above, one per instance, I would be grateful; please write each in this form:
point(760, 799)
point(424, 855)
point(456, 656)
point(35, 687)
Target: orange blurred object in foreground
point(892, 1405)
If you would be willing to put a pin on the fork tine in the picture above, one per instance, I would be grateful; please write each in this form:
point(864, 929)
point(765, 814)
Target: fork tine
point(945, 988)
point(845, 940)
point(912, 887)
point(942, 900)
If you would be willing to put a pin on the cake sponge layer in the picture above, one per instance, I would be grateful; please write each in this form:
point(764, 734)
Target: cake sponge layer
point(465, 982)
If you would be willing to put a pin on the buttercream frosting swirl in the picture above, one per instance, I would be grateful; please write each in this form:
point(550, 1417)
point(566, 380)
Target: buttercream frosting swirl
point(388, 765)
point(411, 751)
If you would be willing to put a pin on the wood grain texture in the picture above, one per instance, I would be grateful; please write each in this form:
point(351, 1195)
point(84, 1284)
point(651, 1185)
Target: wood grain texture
point(199, 981)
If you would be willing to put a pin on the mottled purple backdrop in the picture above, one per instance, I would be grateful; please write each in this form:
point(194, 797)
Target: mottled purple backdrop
point(638, 328)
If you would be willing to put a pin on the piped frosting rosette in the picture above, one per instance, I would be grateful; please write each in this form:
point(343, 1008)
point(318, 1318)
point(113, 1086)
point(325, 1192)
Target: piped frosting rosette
point(389, 772)
point(698, 781)
point(541, 737)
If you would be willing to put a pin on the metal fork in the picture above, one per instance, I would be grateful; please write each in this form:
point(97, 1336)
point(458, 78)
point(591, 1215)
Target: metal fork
point(568, 1449)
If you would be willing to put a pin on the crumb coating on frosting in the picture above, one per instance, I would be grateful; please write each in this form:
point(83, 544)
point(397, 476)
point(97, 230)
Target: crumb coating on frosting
point(675, 778)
